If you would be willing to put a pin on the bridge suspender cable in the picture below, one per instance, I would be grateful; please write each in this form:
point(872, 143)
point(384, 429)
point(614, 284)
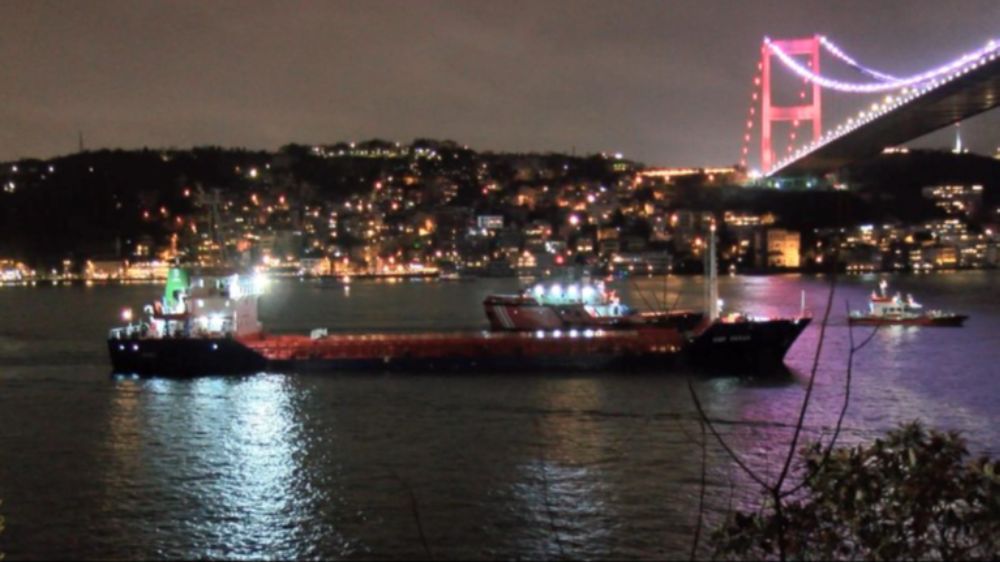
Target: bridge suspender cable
point(959, 63)
point(793, 131)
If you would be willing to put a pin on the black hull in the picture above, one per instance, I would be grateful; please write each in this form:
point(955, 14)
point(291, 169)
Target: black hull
point(183, 357)
point(196, 357)
point(745, 346)
point(187, 357)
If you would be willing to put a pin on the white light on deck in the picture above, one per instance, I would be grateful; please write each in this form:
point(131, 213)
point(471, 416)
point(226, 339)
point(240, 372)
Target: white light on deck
point(260, 283)
point(127, 314)
point(235, 291)
point(215, 323)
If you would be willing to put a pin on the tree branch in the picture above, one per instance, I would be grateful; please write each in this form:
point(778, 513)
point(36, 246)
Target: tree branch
point(812, 380)
point(847, 400)
point(416, 515)
point(701, 495)
point(732, 454)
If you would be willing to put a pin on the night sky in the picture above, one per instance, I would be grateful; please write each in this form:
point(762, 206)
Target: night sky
point(666, 83)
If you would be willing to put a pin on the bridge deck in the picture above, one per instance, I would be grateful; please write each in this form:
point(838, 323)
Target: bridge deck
point(960, 98)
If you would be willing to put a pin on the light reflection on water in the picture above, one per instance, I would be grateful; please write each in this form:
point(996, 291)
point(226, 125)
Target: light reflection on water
point(512, 466)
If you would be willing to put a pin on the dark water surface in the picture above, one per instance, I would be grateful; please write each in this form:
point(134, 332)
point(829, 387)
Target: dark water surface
point(473, 466)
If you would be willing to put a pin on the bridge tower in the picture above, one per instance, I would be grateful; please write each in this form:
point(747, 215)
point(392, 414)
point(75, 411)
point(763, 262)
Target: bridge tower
point(770, 113)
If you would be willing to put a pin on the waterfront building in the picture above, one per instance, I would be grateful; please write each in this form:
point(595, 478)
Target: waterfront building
point(104, 270)
point(153, 270)
point(12, 271)
point(777, 248)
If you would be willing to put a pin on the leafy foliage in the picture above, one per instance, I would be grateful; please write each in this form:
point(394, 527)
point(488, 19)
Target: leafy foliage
point(912, 495)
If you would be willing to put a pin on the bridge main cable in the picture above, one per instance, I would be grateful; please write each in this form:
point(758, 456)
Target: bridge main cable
point(872, 87)
point(839, 53)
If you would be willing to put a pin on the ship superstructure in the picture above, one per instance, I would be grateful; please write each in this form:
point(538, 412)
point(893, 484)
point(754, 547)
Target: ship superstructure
point(209, 305)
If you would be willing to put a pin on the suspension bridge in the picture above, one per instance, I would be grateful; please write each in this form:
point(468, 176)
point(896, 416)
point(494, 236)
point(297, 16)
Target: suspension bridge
point(908, 106)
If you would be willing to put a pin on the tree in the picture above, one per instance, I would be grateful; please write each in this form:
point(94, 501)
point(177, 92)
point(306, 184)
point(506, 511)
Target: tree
point(912, 495)
point(907, 496)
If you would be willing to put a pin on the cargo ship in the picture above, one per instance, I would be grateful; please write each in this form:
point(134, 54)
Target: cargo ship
point(209, 325)
point(885, 310)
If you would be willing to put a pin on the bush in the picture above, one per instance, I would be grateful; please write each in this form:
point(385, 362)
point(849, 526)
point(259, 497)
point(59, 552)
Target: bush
point(912, 495)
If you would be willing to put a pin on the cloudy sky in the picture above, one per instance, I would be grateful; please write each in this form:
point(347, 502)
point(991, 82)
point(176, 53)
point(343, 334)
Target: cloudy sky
point(664, 82)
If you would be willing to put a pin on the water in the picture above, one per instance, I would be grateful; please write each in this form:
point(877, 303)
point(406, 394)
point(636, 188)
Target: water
point(456, 466)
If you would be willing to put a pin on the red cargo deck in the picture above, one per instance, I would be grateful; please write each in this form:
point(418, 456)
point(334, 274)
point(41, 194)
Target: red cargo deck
point(467, 348)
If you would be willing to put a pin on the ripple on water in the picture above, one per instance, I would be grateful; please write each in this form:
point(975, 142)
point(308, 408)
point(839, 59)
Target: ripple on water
point(351, 466)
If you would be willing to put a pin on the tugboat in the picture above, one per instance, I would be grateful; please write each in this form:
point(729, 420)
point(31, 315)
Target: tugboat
point(711, 339)
point(577, 306)
point(884, 310)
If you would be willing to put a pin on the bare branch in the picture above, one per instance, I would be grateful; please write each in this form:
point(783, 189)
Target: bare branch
point(677, 300)
point(847, 400)
point(416, 515)
point(701, 495)
point(732, 454)
point(642, 294)
point(812, 380)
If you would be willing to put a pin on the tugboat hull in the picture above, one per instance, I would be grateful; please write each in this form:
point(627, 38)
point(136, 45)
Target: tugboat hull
point(952, 321)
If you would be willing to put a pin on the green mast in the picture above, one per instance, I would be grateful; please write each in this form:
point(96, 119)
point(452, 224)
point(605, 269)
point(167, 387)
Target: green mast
point(177, 281)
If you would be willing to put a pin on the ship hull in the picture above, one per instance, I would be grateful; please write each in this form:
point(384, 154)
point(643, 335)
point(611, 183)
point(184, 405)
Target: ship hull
point(954, 321)
point(740, 346)
point(183, 357)
point(470, 352)
point(758, 346)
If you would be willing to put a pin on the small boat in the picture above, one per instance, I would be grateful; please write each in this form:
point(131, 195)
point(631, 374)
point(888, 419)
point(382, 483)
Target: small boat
point(885, 310)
